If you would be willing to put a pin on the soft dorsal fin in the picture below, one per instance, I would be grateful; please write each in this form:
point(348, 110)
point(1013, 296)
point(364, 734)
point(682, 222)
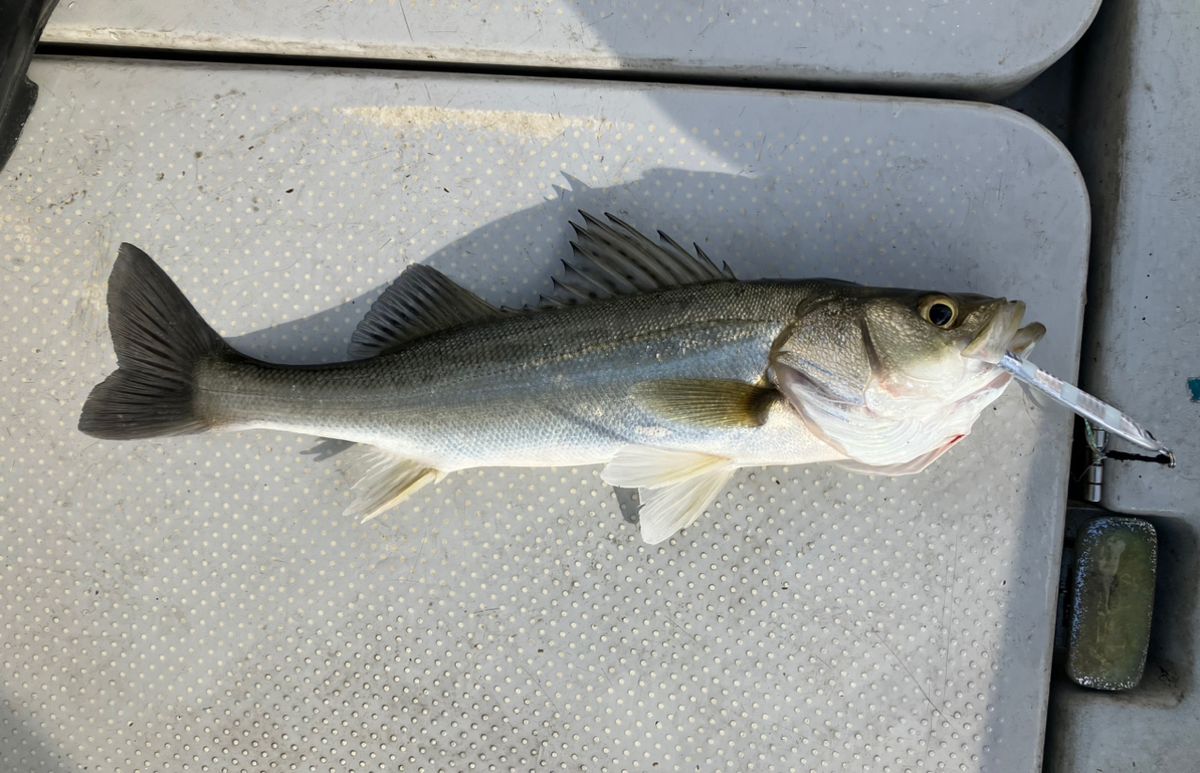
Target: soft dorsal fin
point(614, 258)
point(421, 301)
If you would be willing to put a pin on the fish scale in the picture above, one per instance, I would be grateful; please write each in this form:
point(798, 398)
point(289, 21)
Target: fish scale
point(491, 394)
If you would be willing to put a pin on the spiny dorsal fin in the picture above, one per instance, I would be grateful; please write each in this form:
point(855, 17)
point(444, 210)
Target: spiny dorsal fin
point(421, 301)
point(614, 258)
point(714, 403)
point(383, 480)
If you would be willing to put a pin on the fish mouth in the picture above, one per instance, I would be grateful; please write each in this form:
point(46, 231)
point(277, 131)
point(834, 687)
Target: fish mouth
point(1004, 333)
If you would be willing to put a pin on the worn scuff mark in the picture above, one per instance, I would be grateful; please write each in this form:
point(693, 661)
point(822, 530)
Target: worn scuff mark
point(912, 677)
point(91, 307)
point(407, 26)
point(422, 117)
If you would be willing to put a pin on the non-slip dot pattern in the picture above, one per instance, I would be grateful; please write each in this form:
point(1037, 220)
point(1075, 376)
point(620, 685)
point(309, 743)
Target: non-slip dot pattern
point(969, 45)
point(199, 603)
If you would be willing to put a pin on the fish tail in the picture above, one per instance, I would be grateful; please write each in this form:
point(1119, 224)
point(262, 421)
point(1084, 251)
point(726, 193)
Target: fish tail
point(159, 339)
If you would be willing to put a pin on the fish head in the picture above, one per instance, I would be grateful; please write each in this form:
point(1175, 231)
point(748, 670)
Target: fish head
point(894, 378)
point(939, 338)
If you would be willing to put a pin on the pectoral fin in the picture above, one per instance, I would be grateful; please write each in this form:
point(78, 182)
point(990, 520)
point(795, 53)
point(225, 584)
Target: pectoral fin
point(711, 403)
point(383, 480)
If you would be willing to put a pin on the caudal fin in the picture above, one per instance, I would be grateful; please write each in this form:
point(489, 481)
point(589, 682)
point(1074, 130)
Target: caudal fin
point(159, 338)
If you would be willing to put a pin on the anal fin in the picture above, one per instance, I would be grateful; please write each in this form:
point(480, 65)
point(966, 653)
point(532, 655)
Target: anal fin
point(384, 480)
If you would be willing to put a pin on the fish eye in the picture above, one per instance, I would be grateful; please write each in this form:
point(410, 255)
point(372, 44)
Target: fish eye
point(940, 311)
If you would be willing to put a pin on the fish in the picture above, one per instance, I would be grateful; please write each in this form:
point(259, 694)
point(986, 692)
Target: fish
point(645, 357)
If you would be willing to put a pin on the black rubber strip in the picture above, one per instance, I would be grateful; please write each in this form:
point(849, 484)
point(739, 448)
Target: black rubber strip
point(684, 78)
point(21, 23)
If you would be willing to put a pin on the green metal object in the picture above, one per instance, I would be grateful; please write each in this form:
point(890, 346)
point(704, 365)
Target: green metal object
point(1112, 602)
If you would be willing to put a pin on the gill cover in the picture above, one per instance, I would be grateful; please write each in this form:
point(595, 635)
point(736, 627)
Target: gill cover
point(883, 375)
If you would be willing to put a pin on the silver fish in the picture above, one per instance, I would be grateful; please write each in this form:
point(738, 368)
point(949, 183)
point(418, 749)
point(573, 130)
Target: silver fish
point(647, 358)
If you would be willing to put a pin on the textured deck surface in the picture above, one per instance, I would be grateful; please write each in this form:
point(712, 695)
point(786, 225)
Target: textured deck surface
point(966, 46)
point(195, 602)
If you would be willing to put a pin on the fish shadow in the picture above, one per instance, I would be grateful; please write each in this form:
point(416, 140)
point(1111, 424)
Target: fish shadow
point(323, 337)
point(770, 244)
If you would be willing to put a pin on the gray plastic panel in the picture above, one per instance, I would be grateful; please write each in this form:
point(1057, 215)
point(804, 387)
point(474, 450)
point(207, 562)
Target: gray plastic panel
point(1144, 351)
point(967, 46)
point(192, 602)
point(1141, 108)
